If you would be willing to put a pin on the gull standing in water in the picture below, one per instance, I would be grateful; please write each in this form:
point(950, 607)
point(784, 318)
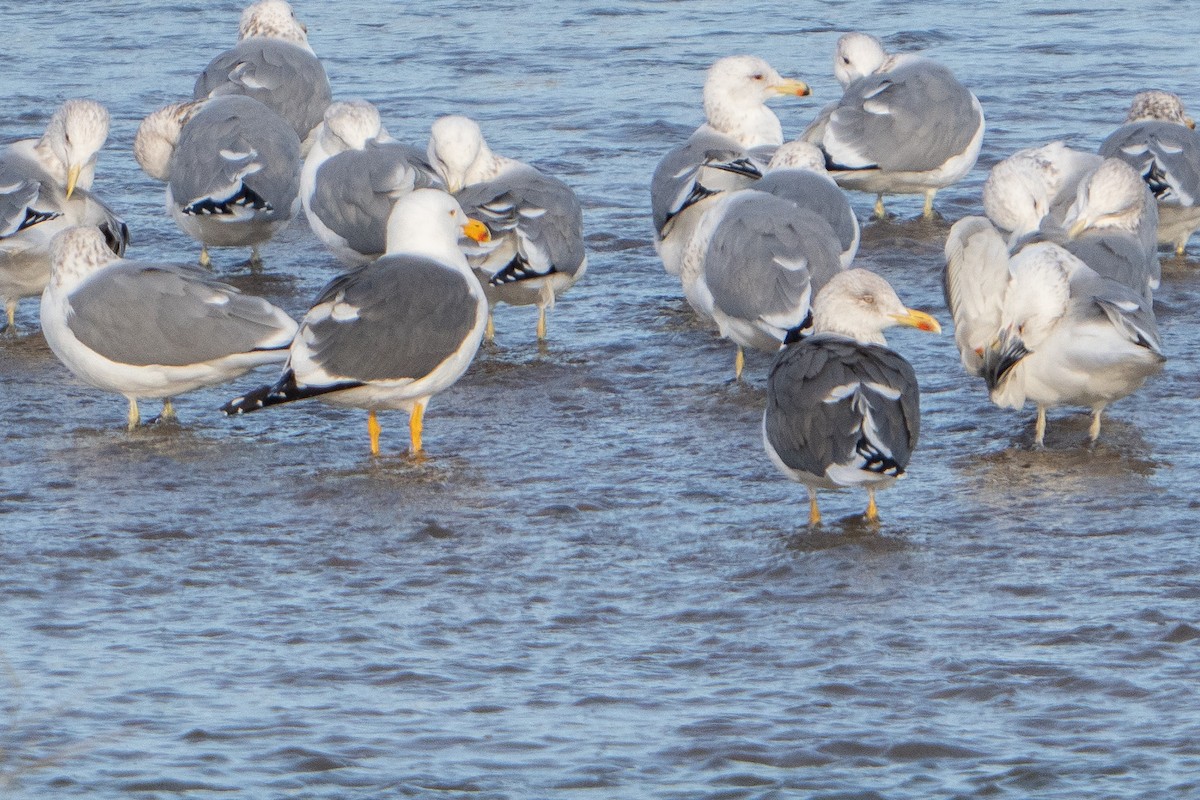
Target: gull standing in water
point(352, 177)
point(395, 332)
point(536, 250)
point(149, 330)
point(843, 409)
point(1159, 141)
point(232, 169)
point(44, 185)
point(273, 63)
point(904, 125)
point(727, 152)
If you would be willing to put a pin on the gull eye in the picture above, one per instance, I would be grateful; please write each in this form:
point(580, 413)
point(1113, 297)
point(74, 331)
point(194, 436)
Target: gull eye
point(758, 76)
point(845, 59)
point(868, 299)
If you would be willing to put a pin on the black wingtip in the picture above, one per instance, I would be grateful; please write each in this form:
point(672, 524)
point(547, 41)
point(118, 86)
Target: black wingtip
point(284, 390)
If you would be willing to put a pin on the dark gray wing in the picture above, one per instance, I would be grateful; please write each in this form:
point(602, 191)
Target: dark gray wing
point(143, 314)
point(236, 152)
point(767, 257)
point(1165, 154)
point(355, 190)
point(817, 193)
point(539, 211)
point(913, 118)
point(283, 76)
point(397, 317)
point(708, 163)
point(28, 196)
point(833, 401)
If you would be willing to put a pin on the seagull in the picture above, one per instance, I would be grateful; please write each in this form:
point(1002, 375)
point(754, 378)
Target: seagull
point(1159, 141)
point(842, 408)
point(352, 177)
point(44, 185)
point(536, 251)
point(273, 63)
point(395, 332)
point(149, 330)
point(232, 169)
point(727, 152)
point(1044, 326)
point(904, 125)
point(1033, 185)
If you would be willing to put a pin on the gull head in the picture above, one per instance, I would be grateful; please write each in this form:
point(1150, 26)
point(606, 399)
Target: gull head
point(735, 94)
point(1114, 196)
point(857, 55)
point(798, 155)
point(157, 136)
point(862, 305)
point(76, 132)
point(78, 252)
point(430, 222)
point(458, 151)
point(1155, 104)
point(273, 19)
point(349, 125)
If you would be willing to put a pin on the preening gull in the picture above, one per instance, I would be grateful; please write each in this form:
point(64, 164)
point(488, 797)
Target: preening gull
point(232, 168)
point(149, 330)
point(536, 250)
point(904, 125)
point(44, 185)
point(273, 63)
point(395, 332)
point(1043, 326)
point(728, 152)
point(1159, 141)
point(352, 177)
point(1033, 185)
point(842, 408)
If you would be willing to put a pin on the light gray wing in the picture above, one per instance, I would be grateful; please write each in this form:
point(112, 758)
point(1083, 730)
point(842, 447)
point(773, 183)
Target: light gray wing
point(28, 196)
point(833, 401)
point(817, 193)
point(766, 259)
point(708, 163)
point(1165, 154)
point(913, 118)
point(355, 191)
point(539, 211)
point(397, 317)
point(235, 153)
point(1130, 313)
point(974, 282)
point(1117, 255)
point(283, 76)
point(143, 314)
point(84, 208)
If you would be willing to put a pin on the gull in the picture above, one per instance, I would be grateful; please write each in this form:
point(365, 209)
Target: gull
point(150, 330)
point(273, 63)
point(904, 125)
point(394, 332)
point(232, 169)
point(536, 251)
point(1033, 185)
point(352, 176)
point(44, 185)
point(727, 152)
point(1159, 141)
point(843, 409)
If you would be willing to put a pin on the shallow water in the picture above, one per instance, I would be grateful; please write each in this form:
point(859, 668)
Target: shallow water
point(597, 585)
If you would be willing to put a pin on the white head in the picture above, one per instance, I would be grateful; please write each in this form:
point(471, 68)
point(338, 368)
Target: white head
point(78, 252)
point(735, 94)
point(1155, 104)
point(430, 222)
point(862, 305)
point(1114, 196)
point(856, 55)
point(458, 151)
point(273, 19)
point(157, 136)
point(349, 125)
point(798, 155)
point(1039, 288)
point(1015, 197)
point(76, 132)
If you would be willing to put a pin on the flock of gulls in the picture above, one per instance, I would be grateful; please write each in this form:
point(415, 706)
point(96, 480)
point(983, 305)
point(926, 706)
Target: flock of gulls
point(1050, 293)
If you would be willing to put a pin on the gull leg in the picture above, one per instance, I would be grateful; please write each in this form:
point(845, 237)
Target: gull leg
point(1039, 430)
point(1094, 430)
point(739, 362)
point(489, 332)
point(414, 428)
point(1181, 246)
point(134, 416)
point(373, 431)
point(205, 260)
point(872, 514)
point(256, 261)
point(814, 512)
point(10, 311)
point(880, 213)
point(541, 329)
point(545, 300)
point(168, 412)
point(928, 212)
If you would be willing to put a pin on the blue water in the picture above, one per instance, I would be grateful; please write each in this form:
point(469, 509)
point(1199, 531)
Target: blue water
point(597, 586)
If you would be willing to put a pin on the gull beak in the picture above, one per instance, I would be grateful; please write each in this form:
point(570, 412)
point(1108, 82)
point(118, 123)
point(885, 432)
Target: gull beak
point(790, 86)
point(1191, 123)
point(477, 231)
point(1004, 353)
point(72, 179)
point(1077, 227)
point(918, 319)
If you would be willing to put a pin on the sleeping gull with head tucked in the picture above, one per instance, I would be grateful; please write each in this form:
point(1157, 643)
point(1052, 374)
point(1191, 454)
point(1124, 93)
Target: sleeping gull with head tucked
point(904, 125)
point(727, 152)
point(843, 409)
point(150, 330)
point(392, 333)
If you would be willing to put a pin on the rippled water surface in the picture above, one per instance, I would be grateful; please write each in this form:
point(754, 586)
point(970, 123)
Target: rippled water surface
point(597, 586)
